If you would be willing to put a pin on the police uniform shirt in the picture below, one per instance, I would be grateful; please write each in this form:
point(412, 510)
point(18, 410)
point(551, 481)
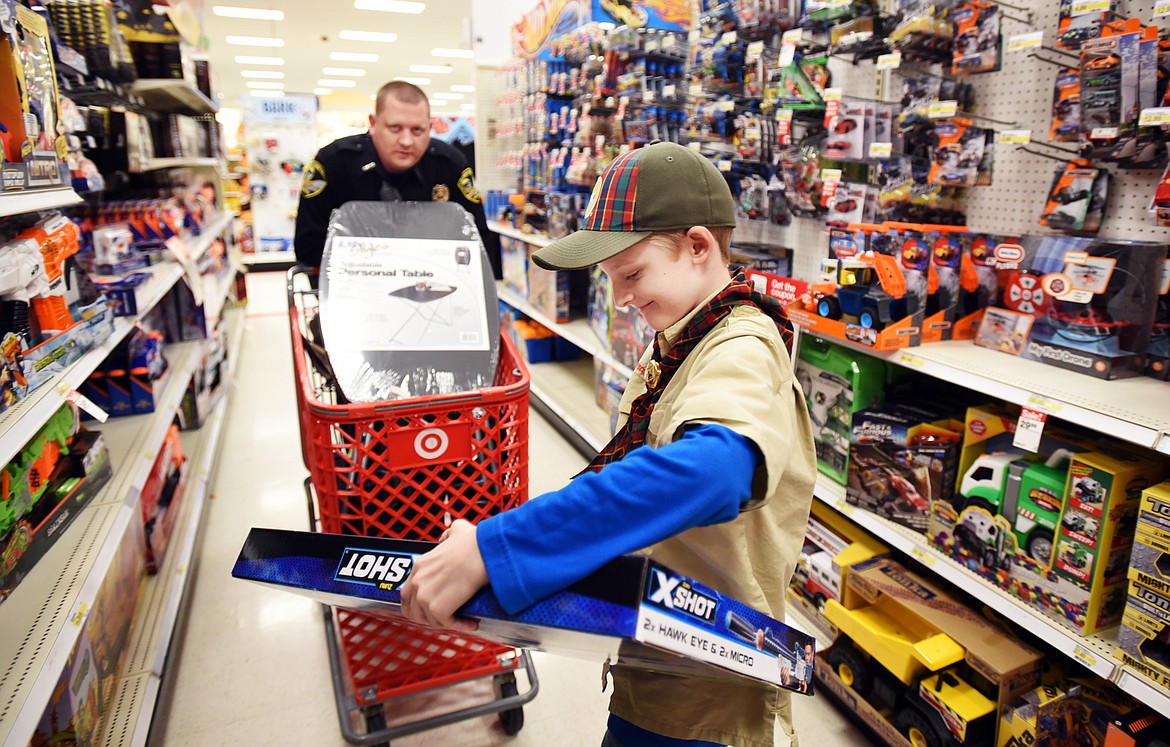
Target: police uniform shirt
point(348, 169)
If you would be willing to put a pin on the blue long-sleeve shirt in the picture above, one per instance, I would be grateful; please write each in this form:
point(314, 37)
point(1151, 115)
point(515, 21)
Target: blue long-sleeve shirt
point(559, 538)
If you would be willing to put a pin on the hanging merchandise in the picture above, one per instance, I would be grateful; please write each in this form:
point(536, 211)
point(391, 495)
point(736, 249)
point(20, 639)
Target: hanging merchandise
point(279, 131)
point(1066, 107)
point(977, 39)
point(1074, 29)
point(801, 167)
point(924, 31)
point(1068, 200)
point(958, 153)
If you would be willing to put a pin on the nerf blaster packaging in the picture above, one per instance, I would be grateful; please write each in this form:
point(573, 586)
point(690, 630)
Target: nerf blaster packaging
point(632, 611)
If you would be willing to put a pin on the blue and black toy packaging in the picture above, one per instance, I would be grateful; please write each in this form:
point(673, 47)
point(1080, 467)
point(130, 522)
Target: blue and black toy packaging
point(631, 612)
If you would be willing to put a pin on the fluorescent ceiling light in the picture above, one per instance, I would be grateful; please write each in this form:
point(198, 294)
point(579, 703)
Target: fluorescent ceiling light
point(440, 69)
point(463, 88)
point(465, 54)
point(355, 71)
point(322, 91)
point(264, 84)
point(447, 96)
point(244, 59)
point(372, 36)
point(258, 14)
point(268, 94)
point(269, 74)
point(353, 57)
point(390, 6)
point(467, 107)
point(416, 81)
point(330, 83)
point(254, 41)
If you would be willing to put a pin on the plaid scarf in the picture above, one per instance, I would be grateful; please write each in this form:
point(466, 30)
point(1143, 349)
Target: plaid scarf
point(661, 369)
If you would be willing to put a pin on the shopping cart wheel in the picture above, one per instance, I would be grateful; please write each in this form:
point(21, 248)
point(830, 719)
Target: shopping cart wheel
point(375, 718)
point(512, 720)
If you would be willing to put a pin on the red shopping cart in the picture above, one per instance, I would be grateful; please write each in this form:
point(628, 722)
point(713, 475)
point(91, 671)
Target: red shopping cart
point(406, 469)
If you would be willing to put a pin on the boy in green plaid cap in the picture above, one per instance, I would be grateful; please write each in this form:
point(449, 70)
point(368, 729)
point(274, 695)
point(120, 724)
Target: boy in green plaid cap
point(711, 471)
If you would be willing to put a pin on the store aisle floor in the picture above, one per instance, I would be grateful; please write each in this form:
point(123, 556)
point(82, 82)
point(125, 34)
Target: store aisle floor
point(249, 666)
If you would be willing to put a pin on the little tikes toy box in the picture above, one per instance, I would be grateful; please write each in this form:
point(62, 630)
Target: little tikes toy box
point(632, 611)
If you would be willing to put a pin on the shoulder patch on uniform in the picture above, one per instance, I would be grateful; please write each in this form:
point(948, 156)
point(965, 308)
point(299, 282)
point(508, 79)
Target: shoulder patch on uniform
point(314, 182)
point(466, 185)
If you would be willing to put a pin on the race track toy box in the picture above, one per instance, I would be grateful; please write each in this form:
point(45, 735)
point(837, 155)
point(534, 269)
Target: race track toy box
point(837, 382)
point(632, 611)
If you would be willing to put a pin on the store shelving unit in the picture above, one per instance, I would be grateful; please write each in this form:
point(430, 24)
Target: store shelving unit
point(157, 164)
point(256, 259)
point(515, 233)
point(15, 203)
point(173, 95)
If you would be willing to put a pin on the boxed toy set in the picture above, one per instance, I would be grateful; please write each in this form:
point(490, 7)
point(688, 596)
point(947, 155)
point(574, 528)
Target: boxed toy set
point(1083, 304)
point(45, 487)
point(837, 382)
point(632, 611)
point(917, 664)
point(900, 463)
point(161, 495)
point(832, 545)
point(1143, 643)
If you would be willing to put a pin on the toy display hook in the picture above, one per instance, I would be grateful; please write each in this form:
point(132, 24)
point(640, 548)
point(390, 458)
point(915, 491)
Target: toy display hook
point(1072, 155)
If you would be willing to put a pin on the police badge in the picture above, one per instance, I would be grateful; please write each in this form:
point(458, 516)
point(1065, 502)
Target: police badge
point(440, 193)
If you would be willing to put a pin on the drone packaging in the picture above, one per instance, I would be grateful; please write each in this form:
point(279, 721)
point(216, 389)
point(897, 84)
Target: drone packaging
point(631, 612)
point(408, 303)
point(1082, 304)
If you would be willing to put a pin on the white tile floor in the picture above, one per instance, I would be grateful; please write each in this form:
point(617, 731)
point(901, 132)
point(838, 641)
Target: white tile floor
point(249, 664)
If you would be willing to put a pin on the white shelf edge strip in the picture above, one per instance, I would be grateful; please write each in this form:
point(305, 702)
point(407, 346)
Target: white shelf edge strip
point(1145, 691)
point(586, 340)
point(515, 233)
point(1081, 649)
point(32, 200)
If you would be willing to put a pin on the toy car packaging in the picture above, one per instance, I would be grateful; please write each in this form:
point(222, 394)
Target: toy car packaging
point(1066, 107)
point(1069, 198)
point(977, 40)
point(978, 261)
point(632, 611)
point(837, 382)
point(1075, 30)
point(951, 275)
point(923, 31)
point(848, 205)
point(846, 139)
point(958, 153)
point(1086, 579)
point(899, 465)
point(1086, 305)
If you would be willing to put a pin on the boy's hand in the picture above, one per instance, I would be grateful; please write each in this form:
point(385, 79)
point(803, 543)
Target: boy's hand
point(444, 578)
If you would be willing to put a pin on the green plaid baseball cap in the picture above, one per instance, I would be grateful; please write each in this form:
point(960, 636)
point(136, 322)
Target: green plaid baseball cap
point(660, 187)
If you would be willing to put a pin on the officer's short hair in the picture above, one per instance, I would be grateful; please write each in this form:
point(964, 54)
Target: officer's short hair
point(407, 93)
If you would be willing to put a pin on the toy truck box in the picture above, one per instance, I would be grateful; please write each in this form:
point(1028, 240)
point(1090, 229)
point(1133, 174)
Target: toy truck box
point(832, 545)
point(925, 664)
point(632, 611)
point(1143, 641)
point(1154, 511)
point(1041, 716)
point(74, 481)
point(899, 465)
point(837, 382)
point(1085, 581)
point(1082, 304)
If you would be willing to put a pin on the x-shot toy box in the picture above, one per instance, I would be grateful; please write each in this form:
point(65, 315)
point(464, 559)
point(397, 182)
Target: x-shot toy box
point(1083, 304)
point(837, 382)
point(632, 611)
point(918, 665)
point(1086, 580)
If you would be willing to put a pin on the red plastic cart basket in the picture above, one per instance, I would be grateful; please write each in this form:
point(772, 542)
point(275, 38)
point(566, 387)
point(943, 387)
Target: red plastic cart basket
point(407, 469)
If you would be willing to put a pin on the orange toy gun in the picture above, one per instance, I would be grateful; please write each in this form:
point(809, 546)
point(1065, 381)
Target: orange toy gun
point(59, 239)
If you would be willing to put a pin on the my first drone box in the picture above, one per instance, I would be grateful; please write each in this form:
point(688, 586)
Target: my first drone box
point(632, 611)
point(1082, 304)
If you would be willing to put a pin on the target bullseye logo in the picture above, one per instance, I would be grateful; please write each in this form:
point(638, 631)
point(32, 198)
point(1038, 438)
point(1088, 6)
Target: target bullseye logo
point(431, 443)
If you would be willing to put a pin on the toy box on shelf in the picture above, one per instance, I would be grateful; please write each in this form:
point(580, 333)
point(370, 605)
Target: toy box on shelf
point(45, 487)
point(1008, 500)
point(622, 328)
point(86, 690)
point(161, 495)
point(1085, 581)
point(837, 382)
point(917, 662)
point(1144, 639)
point(1083, 304)
point(1064, 712)
point(32, 137)
point(832, 544)
point(207, 383)
point(1141, 727)
point(899, 464)
point(608, 387)
point(870, 292)
point(514, 261)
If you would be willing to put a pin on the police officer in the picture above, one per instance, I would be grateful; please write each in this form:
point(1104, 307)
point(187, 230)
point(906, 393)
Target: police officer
point(395, 160)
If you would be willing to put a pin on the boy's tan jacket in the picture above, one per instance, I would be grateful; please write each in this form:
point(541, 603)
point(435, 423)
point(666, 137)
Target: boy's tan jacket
point(739, 376)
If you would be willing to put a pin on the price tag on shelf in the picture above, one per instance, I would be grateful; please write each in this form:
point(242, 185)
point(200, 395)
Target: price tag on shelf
point(888, 61)
point(1083, 655)
point(1031, 39)
point(724, 165)
point(648, 97)
point(1162, 8)
point(668, 91)
point(79, 618)
point(845, 508)
point(1081, 7)
point(730, 37)
point(756, 47)
point(913, 361)
point(1044, 405)
point(792, 36)
point(75, 397)
point(787, 55)
point(725, 106)
point(832, 94)
point(1014, 136)
point(1029, 429)
point(880, 150)
point(1104, 133)
point(695, 145)
point(695, 89)
point(922, 556)
point(942, 109)
point(1154, 116)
